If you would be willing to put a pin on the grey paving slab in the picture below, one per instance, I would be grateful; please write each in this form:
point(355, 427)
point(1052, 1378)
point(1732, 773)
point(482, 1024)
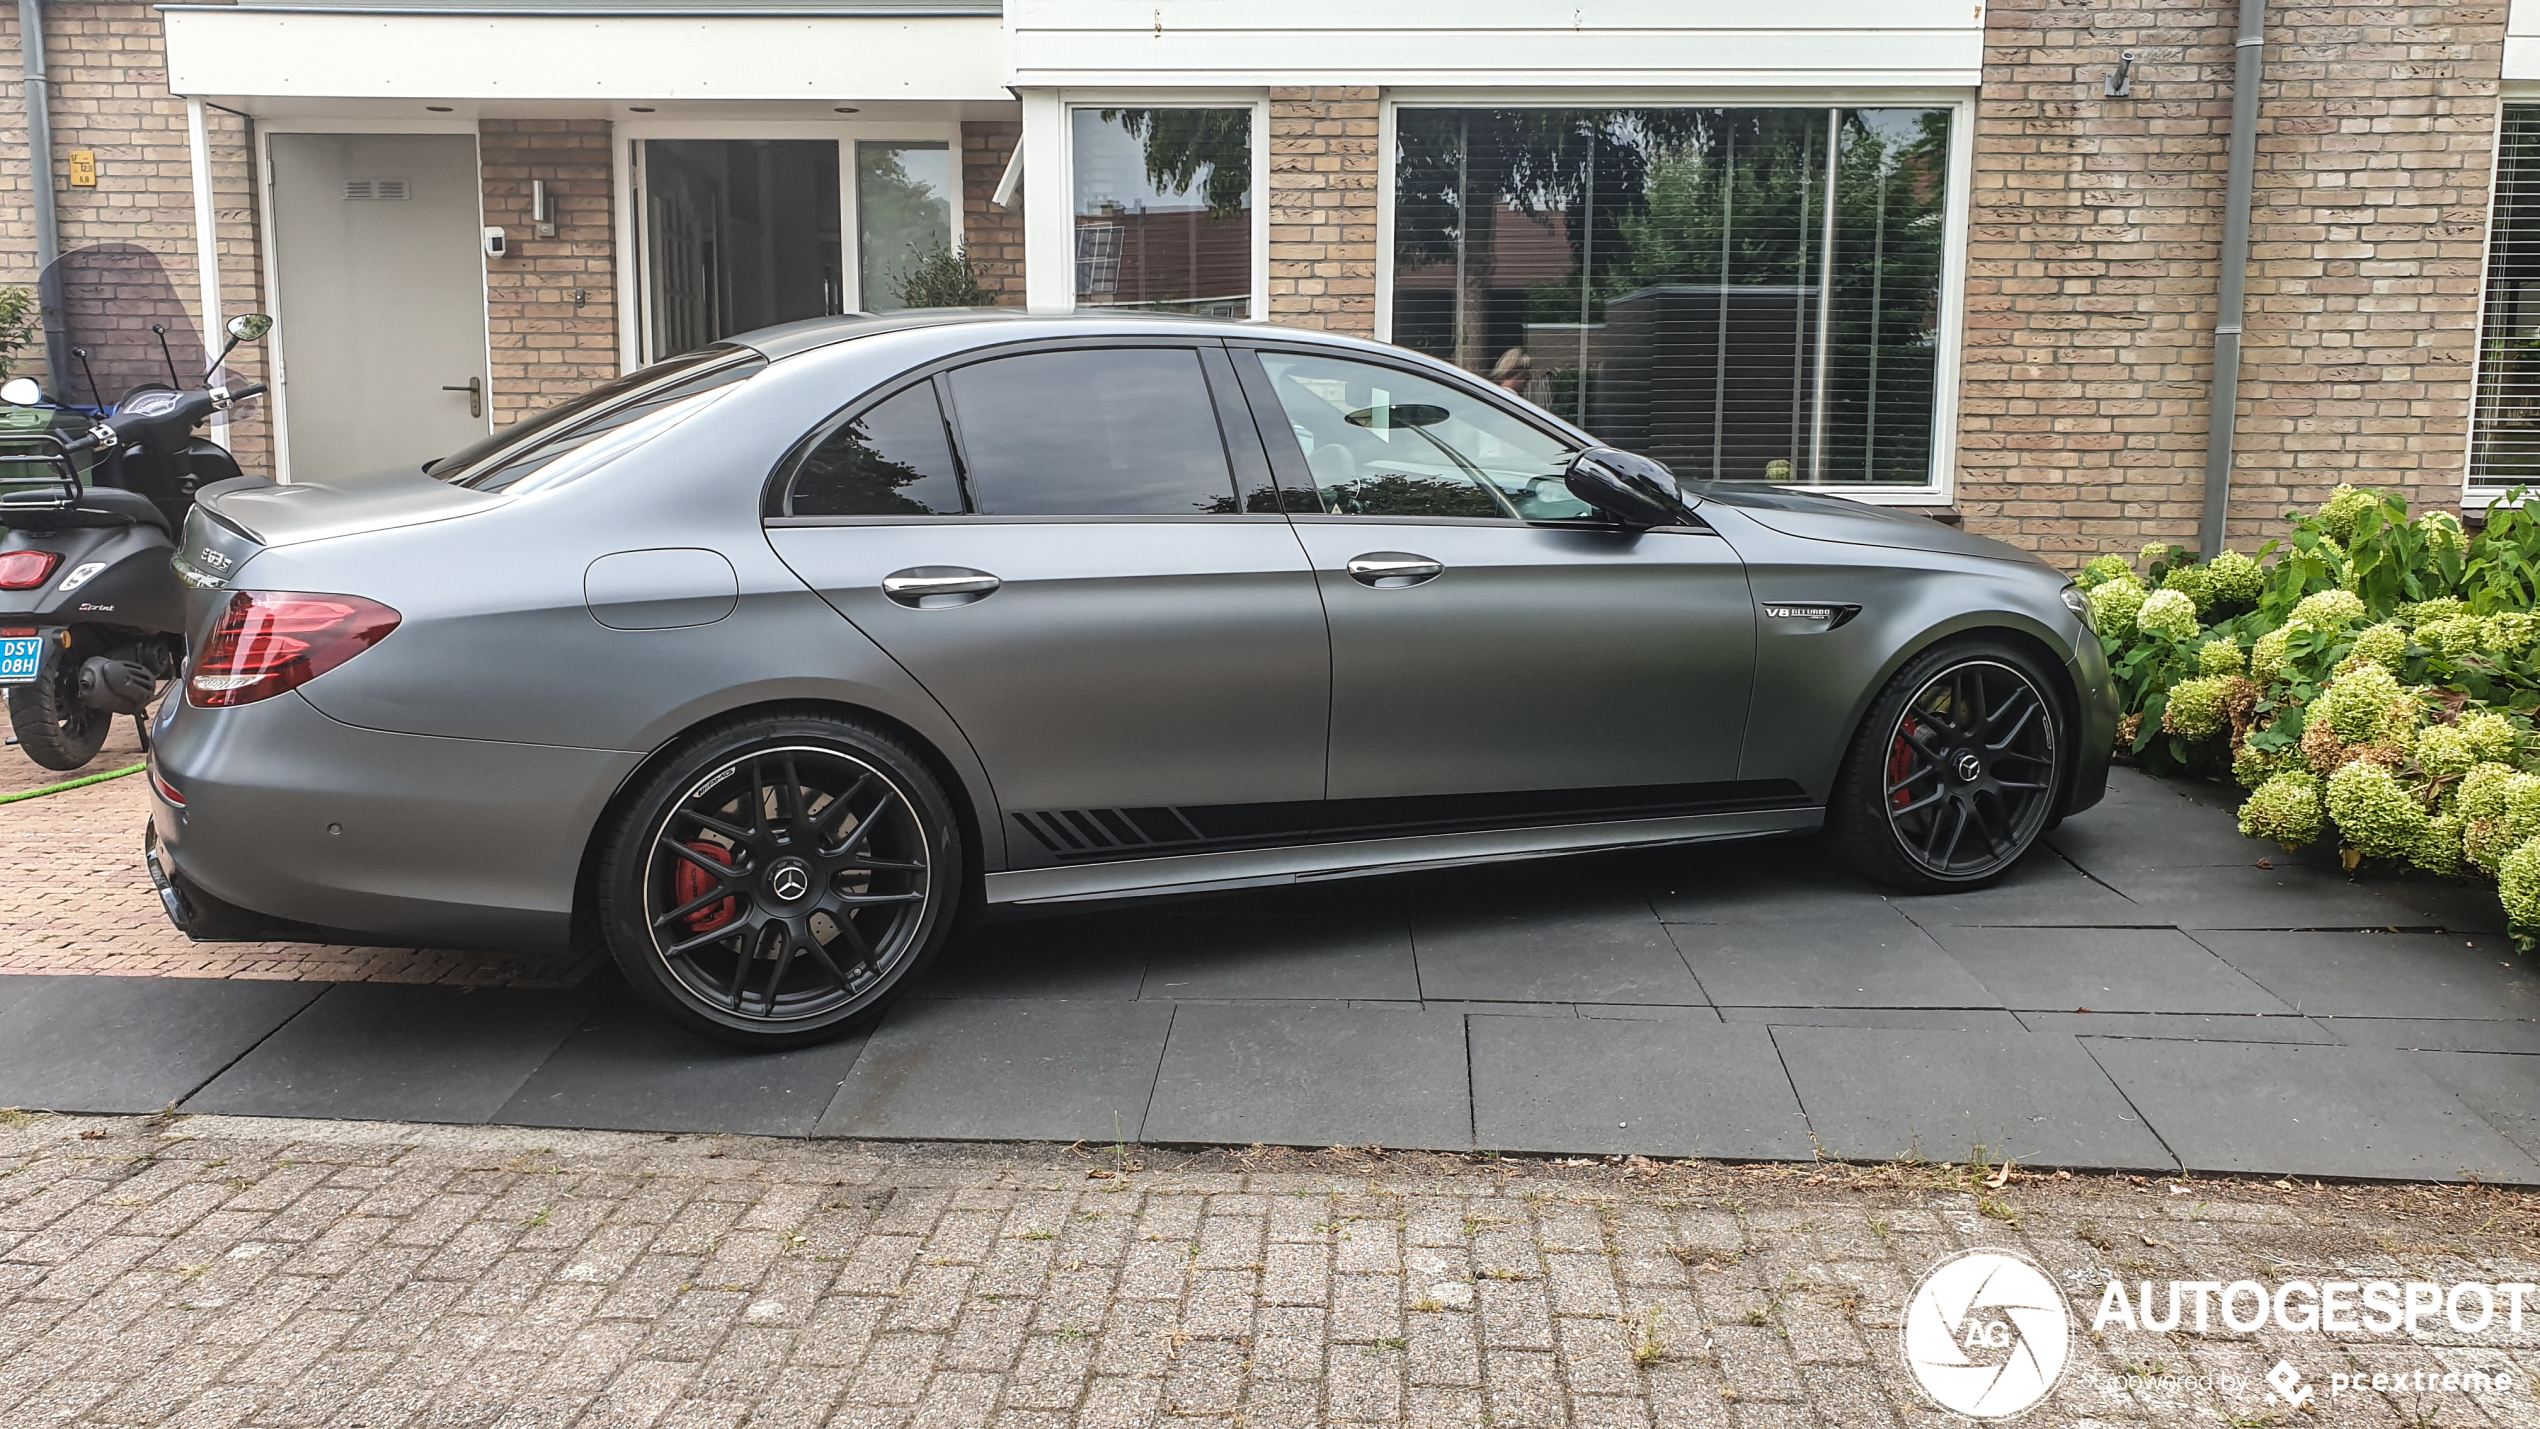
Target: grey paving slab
point(2431, 1034)
point(1855, 958)
point(1363, 955)
point(628, 1068)
point(2043, 891)
point(2504, 1090)
point(1875, 1094)
point(132, 1044)
point(2294, 895)
point(2103, 970)
point(2157, 830)
point(1314, 1077)
point(1673, 1088)
point(1550, 948)
point(399, 1052)
point(1924, 1019)
point(1001, 1070)
point(1748, 883)
point(2433, 975)
point(1081, 956)
point(2182, 1027)
point(2321, 1111)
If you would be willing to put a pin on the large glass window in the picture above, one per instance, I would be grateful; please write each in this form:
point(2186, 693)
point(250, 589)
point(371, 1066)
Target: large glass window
point(739, 234)
point(1163, 208)
point(2505, 428)
point(1101, 432)
point(1746, 294)
point(903, 216)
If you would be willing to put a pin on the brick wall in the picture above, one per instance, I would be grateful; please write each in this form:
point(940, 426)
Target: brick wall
point(551, 303)
point(991, 237)
point(2094, 256)
point(108, 68)
point(1323, 164)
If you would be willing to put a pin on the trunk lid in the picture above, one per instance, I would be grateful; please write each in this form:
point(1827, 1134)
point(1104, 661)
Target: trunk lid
point(270, 514)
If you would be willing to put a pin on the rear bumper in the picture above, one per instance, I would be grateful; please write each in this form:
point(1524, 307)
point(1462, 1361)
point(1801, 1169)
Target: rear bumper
point(296, 827)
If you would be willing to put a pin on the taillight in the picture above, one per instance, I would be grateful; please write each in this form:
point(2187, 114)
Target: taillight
point(271, 641)
point(25, 570)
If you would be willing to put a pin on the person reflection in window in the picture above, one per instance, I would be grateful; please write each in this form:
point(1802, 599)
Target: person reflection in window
point(1514, 371)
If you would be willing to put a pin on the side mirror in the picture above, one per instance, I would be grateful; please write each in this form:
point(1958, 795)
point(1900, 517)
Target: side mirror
point(1630, 490)
point(250, 327)
point(21, 392)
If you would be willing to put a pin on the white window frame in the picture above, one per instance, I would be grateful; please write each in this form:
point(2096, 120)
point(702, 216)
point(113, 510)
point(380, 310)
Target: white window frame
point(1050, 171)
point(278, 396)
point(2473, 496)
point(634, 309)
point(1950, 340)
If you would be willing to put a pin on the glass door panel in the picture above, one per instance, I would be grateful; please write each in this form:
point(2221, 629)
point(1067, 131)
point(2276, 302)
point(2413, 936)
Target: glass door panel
point(904, 206)
point(738, 234)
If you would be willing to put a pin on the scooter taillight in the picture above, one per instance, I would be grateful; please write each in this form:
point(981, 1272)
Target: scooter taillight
point(271, 641)
point(25, 570)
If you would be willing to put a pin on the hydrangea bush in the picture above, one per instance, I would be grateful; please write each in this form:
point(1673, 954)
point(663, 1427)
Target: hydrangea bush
point(2371, 679)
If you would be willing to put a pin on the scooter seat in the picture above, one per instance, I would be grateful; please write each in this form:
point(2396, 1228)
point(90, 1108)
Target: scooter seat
point(114, 506)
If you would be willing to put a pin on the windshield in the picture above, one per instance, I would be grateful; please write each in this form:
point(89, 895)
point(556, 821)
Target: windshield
point(119, 324)
point(637, 406)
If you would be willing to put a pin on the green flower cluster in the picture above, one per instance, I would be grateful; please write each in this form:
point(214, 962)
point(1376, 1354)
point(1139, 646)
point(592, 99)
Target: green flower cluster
point(2200, 708)
point(2345, 504)
point(2169, 613)
point(2286, 808)
point(2379, 818)
point(2221, 657)
point(2366, 705)
point(2115, 604)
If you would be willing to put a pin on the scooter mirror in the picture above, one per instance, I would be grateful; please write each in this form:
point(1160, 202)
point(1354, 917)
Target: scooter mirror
point(250, 327)
point(21, 392)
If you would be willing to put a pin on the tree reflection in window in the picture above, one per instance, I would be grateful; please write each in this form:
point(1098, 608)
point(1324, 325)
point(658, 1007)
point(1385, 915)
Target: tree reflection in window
point(891, 460)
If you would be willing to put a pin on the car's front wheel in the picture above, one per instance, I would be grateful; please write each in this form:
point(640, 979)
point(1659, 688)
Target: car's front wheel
point(1957, 770)
point(781, 880)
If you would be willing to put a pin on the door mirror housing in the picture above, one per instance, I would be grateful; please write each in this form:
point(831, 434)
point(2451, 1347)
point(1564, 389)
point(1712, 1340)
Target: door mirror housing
point(250, 327)
point(1629, 490)
point(21, 392)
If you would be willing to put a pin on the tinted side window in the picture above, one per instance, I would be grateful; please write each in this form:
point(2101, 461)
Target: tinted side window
point(891, 460)
point(1379, 441)
point(1122, 431)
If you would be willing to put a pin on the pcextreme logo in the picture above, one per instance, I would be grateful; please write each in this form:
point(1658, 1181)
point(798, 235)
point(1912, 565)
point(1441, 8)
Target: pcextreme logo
point(1986, 1334)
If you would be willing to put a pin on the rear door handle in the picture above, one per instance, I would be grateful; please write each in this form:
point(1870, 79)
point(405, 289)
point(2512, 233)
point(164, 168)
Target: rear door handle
point(475, 390)
point(1392, 570)
point(938, 587)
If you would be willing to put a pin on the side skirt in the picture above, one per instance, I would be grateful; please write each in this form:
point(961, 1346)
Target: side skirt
point(1269, 867)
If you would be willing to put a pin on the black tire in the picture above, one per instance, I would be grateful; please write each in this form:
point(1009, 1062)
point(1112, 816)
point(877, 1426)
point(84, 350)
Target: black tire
point(1969, 739)
point(52, 726)
point(746, 829)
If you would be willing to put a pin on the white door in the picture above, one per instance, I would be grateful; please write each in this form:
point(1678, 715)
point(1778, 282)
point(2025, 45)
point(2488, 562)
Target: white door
point(381, 299)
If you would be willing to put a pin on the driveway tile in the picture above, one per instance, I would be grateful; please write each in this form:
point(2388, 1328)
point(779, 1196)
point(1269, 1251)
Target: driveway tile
point(399, 1052)
point(1326, 957)
point(1090, 956)
point(1749, 883)
point(1673, 1088)
point(2182, 1027)
point(1290, 1076)
point(1916, 1019)
point(2043, 891)
point(2322, 1111)
point(2427, 1034)
point(2104, 970)
point(1857, 958)
point(1550, 948)
point(2503, 1090)
point(629, 1068)
point(1875, 1094)
point(996, 1070)
point(132, 1044)
point(2157, 830)
point(2297, 895)
point(2437, 975)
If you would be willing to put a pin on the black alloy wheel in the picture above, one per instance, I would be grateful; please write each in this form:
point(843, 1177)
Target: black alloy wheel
point(1955, 773)
point(52, 726)
point(782, 882)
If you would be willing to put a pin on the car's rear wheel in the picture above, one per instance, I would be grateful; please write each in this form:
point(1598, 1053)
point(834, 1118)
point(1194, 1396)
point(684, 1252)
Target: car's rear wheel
point(1956, 772)
point(781, 880)
point(52, 726)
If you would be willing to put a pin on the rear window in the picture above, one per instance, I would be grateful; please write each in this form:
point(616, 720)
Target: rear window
point(565, 441)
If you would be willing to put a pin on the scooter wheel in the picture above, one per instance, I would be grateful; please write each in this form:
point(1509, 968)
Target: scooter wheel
point(52, 726)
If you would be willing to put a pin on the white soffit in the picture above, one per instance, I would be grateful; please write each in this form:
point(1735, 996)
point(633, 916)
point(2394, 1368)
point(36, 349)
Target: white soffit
point(225, 50)
point(2522, 40)
point(1609, 44)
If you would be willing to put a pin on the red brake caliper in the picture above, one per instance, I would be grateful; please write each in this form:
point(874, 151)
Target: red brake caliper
point(689, 882)
point(1900, 762)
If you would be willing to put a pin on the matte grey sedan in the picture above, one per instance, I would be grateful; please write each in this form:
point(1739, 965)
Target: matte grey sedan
point(767, 663)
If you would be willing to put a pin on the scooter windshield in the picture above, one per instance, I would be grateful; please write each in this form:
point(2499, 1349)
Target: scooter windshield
point(101, 304)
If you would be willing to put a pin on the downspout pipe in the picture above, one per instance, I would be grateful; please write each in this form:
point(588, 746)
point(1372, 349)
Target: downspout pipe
point(39, 147)
point(2231, 294)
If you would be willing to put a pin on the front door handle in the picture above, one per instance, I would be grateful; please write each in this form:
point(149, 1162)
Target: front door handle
point(938, 587)
point(475, 390)
point(1392, 570)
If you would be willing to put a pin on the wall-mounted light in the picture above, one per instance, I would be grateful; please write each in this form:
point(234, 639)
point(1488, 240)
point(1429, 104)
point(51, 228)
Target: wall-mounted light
point(2120, 83)
point(539, 213)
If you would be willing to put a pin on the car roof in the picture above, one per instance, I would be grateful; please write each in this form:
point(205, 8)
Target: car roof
point(789, 339)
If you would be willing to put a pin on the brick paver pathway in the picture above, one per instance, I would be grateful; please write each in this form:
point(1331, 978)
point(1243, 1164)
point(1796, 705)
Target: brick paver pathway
point(206, 1272)
point(74, 898)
